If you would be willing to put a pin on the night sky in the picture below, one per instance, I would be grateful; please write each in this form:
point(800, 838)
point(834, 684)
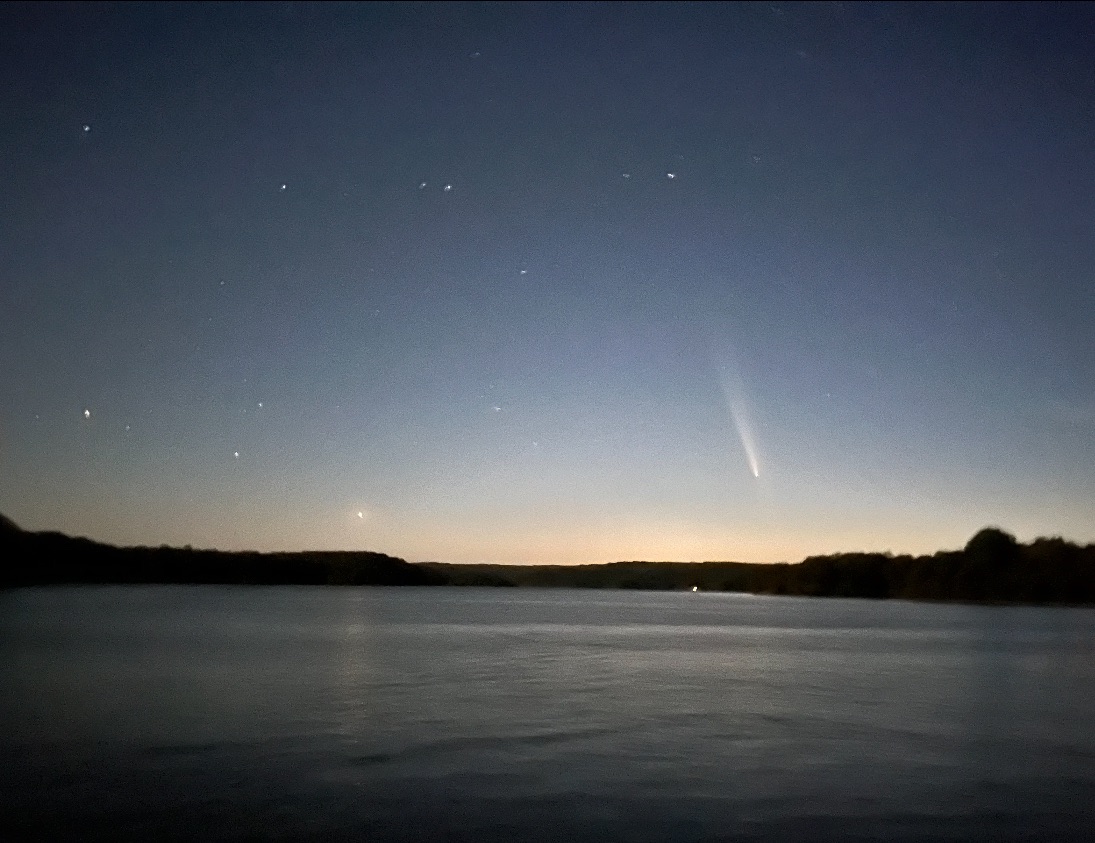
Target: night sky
point(548, 283)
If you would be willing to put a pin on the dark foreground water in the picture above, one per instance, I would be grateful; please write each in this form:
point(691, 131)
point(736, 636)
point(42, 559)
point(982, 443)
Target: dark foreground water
point(463, 714)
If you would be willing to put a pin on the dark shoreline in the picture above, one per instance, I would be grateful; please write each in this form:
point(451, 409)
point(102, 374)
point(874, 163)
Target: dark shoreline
point(993, 568)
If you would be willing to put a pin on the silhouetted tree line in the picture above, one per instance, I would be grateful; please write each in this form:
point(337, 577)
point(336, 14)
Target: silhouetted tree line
point(993, 567)
point(53, 558)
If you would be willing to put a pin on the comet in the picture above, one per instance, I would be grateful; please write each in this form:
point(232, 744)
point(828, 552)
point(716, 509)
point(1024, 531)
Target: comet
point(745, 434)
point(733, 392)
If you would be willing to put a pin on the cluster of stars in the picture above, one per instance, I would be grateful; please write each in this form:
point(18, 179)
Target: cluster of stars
point(669, 175)
point(87, 417)
point(446, 187)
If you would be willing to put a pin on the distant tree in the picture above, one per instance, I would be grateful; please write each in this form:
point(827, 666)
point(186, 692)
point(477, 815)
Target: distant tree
point(988, 560)
point(994, 545)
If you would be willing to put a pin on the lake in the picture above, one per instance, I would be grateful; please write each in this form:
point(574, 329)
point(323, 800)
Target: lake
point(445, 714)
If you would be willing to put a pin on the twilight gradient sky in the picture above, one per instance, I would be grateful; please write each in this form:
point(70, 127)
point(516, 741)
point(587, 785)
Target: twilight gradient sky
point(545, 283)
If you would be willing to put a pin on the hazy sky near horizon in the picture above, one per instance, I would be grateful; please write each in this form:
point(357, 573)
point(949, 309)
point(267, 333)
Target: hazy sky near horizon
point(548, 283)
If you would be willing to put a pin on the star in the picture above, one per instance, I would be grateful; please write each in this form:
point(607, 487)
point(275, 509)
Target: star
point(283, 187)
point(670, 175)
point(236, 454)
point(447, 188)
point(86, 128)
point(87, 414)
point(421, 185)
point(361, 515)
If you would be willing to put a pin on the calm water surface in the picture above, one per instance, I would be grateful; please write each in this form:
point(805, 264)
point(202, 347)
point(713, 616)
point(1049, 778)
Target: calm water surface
point(233, 713)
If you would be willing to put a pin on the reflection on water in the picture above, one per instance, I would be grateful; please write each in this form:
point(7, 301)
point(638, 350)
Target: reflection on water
point(465, 714)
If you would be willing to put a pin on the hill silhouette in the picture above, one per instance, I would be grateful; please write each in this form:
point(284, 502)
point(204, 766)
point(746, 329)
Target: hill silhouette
point(992, 568)
point(7, 526)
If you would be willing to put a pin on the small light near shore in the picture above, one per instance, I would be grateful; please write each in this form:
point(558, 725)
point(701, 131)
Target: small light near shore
point(695, 588)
